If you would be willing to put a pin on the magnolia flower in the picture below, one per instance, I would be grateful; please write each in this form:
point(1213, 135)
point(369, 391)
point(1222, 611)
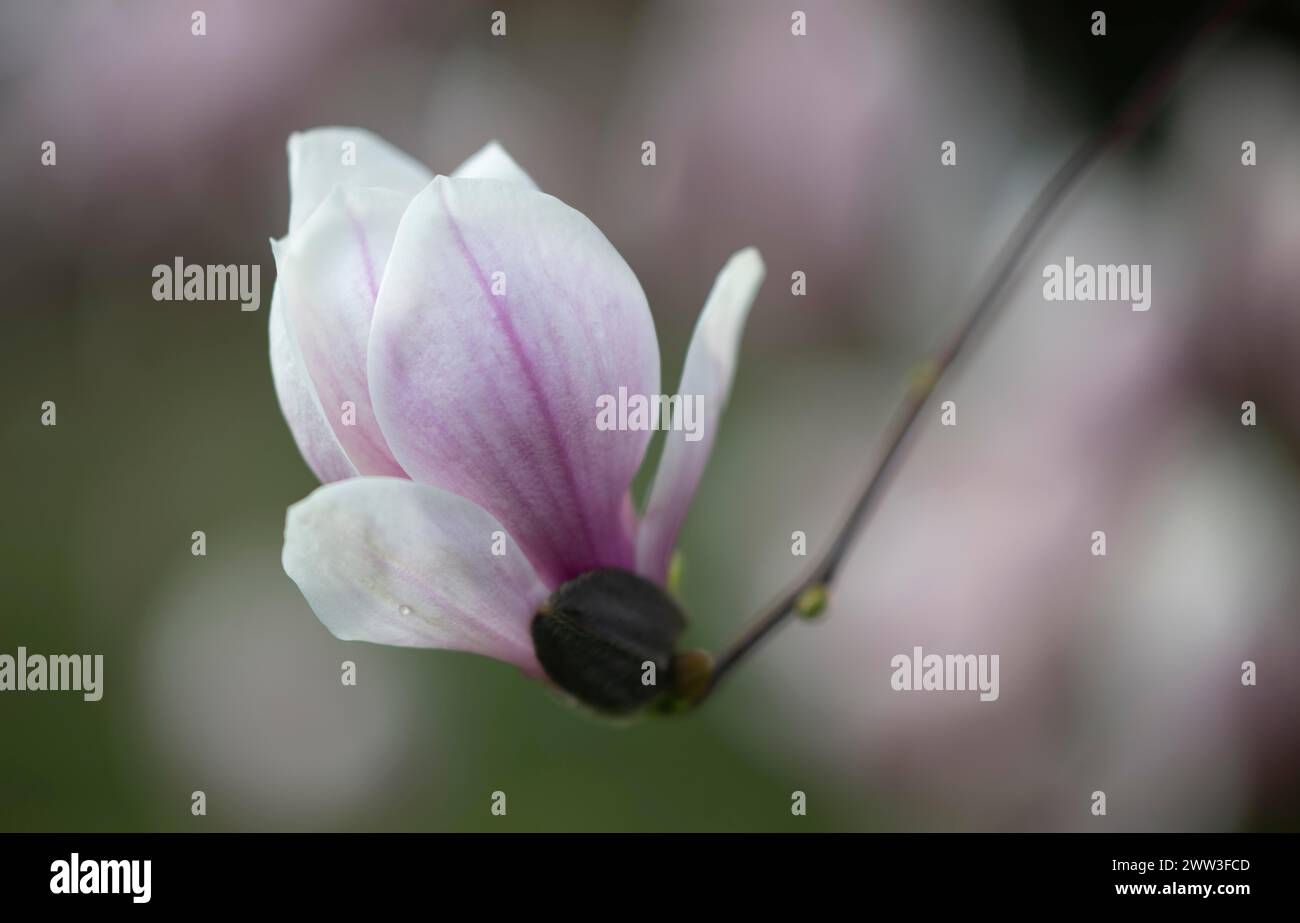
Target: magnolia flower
point(439, 347)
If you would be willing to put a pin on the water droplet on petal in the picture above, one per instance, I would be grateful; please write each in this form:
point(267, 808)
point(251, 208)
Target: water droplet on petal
point(403, 610)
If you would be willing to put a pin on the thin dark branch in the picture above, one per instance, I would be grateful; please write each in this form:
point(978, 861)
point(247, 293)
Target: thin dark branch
point(1137, 110)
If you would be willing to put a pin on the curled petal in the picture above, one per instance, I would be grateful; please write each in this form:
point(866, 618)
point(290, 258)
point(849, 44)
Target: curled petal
point(395, 562)
point(323, 158)
point(329, 272)
point(504, 315)
point(302, 411)
point(710, 367)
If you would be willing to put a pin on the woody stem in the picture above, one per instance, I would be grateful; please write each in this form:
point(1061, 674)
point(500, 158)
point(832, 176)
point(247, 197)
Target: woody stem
point(1138, 108)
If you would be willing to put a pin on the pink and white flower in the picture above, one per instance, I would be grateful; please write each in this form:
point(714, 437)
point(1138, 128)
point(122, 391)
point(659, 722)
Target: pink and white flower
point(438, 345)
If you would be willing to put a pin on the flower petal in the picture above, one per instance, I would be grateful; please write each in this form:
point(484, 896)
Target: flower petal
point(329, 271)
point(298, 402)
point(323, 158)
point(503, 316)
point(395, 562)
point(710, 367)
point(492, 162)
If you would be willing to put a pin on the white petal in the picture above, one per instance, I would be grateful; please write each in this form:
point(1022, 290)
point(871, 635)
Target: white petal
point(298, 402)
point(492, 162)
point(710, 367)
point(396, 562)
point(329, 274)
point(323, 158)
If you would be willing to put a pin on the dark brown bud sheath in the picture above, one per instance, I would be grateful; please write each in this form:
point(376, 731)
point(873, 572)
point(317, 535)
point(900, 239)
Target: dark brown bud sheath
point(597, 635)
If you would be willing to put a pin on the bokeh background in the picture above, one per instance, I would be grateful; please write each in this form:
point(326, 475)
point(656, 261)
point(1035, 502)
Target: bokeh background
point(1119, 674)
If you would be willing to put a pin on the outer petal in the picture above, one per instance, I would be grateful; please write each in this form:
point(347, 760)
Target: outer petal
point(329, 271)
point(395, 562)
point(494, 396)
point(319, 161)
point(710, 366)
point(492, 162)
point(298, 402)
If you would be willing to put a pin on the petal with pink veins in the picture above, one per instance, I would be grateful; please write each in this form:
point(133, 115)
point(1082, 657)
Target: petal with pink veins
point(503, 316)
point(329, 273)
point(332, 311)
point(395, 562)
